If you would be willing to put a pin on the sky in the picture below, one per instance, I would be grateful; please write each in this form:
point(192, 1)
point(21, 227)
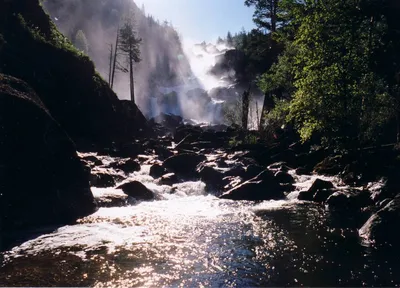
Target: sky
point(201, 20)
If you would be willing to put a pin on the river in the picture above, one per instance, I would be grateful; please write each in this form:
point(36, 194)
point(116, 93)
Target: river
point(193, 239)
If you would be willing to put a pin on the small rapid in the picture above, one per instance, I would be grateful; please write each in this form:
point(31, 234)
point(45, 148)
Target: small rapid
point(187, 237)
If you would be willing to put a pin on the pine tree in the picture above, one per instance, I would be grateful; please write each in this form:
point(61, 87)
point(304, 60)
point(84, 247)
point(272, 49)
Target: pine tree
point(229, 39)
point(129, 45)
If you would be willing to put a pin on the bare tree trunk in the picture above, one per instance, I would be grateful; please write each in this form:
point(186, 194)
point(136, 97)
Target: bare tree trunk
point(268, 105)
point(110, 67)
point(245, 109)
point(131, 78)
point(115, 59)
point(258, 117)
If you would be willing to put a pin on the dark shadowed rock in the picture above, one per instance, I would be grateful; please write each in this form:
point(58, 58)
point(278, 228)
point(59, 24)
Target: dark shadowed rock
point(329, 166)
point(302, 171)
point(382, 227)
point(168, 179)
point(157, 171)
point(261, 187)
point(42, 180)
point(184, 164)
point(137, 190)
point(92, 160)
point(284, 178)
point(338, 201)
point(320, 187)
point(211, 177)
point(101, 180)
point(126, 165)
point(112, 200)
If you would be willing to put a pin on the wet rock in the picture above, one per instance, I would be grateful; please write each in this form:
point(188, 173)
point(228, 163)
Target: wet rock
point(184, 164)
point(131, 150)
point(101, 180)
point(349, 200)
point(168, 179)
point(163, 152)
point(382, 227)
point(329, 166)
point(262, 187)
point(237, 170)
point(338, 201)
point(157, 171)
point(92, 160)
point(305, 196)
point(280, 166)
point(112, 201)
point(211, 177)
point(319, 186)
point(302, 171)
point(42, 179)
point(284, 178)
point(322, 195)
point(126, 165)
point(137, 190)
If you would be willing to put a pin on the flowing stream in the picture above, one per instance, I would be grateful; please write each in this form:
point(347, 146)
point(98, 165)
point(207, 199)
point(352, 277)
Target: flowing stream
point(193, 239)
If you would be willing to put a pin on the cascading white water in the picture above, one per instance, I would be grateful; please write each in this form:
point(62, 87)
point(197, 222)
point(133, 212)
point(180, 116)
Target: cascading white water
point(191, 238)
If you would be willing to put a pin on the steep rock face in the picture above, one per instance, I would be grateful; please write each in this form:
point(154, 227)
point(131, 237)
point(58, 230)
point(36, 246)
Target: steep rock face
point(42, 180)
point(65, 79)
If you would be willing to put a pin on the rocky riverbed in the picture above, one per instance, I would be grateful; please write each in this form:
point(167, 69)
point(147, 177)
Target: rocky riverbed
point(189, 208)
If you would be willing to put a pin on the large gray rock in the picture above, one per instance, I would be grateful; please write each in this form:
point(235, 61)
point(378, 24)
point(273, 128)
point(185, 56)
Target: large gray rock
point(42, 180)
point(383, 226)
point(184, 164)
point(137, 190)
point(262, 187)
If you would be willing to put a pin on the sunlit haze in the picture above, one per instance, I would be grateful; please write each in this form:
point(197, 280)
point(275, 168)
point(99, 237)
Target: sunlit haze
point(201, 19)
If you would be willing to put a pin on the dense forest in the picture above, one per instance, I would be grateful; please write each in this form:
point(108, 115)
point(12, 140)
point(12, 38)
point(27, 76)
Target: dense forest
point(328, 68)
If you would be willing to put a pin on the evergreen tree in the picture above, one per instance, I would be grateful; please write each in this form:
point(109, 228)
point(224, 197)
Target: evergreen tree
point(129, 45)
point(267, 13)
point(229, 39)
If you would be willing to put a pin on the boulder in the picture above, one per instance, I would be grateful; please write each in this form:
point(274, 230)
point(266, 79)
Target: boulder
point(168, 179)
point(136, 190)
point(262, 187)
point(338, 201)
point(382, 227)
point(101, 180)
point(184, 164)
point(284, 178)
point(211, 177)
point(163, 152)
point(329, 166)
point(319, 191)
point(126, 165)
point(302, 171)
point(157, 171)
point(42, 180)
point(92, 160)
point(112, 200)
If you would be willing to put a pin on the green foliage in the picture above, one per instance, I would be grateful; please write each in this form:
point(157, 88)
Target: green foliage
point(81, 42)
point(338, 69)
point(266, 13)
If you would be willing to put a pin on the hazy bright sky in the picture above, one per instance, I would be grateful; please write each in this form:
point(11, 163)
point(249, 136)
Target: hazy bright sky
point(200, 20)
